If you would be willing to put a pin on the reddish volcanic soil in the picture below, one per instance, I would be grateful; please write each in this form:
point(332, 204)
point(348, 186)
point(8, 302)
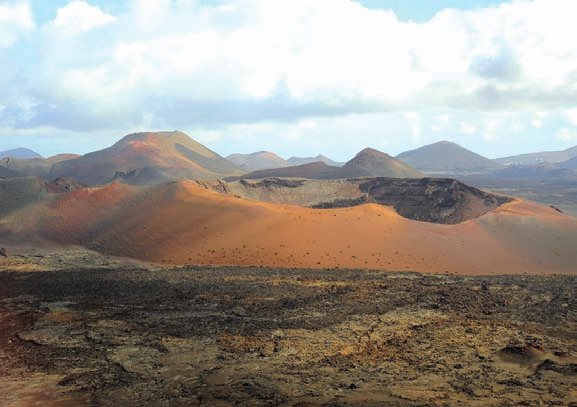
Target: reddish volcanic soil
point(182, 223)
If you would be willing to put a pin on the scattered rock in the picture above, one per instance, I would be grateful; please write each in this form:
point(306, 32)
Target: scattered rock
point(64, 184)
point(557, 209)
point(566, 370)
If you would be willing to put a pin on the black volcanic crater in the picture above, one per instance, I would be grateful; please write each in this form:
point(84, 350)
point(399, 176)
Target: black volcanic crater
point(433, 200)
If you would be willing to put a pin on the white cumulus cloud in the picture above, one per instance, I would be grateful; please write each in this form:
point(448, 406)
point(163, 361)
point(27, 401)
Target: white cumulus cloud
point(15, 21)
point(198, 64)
point(79, 16)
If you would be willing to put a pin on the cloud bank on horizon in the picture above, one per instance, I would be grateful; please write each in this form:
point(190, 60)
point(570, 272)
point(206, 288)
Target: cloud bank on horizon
point(297, 78)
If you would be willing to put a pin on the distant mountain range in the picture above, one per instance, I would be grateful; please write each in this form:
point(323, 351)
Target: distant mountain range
point(437, 159)
point(449, 159)
point(541, 171)
point(552, 157)
point(366, 163)
point(261, 160)
point(265, 160)
point(39, 167)
point(319, 158)
point(154, 157)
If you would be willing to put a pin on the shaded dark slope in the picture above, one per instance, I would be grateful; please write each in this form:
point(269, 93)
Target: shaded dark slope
point(315, 170)
point(35, 167)
point(9, 173)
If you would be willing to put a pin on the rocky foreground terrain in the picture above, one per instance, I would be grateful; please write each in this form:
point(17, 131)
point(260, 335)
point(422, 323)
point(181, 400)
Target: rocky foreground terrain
point(129, 334)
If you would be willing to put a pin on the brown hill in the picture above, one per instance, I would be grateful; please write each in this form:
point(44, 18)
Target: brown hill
point(374, 163)
point(261, 160)
point(183, 222)
point(147, 158)
point(35, 167)
point(293, 161)
point(315, 170)
point(265, 160)
point(445, 156)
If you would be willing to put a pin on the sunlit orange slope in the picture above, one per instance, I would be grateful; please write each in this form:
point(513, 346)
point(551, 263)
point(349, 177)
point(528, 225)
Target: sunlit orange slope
point(147, 158)
point(181, 223)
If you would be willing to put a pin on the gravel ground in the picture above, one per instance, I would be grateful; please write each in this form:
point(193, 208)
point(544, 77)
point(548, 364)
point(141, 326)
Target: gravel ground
point(132, 335)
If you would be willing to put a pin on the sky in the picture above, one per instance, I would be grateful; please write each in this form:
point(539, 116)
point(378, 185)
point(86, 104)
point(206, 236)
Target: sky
point(298, 77)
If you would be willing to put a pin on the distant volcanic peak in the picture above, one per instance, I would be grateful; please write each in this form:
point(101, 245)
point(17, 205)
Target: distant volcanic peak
point(445, 156)
point(167, 141)
point(260, 160)
point(305, 160)
point(316, 164)
point(367, 155)
point(265, 153)
point(371, 162)
point(314, 170)
point(155, 136)
point(147, 158)
point(370, 155)
point(178, 150)
point(371, 152)
point(442, 146)
point(22, 153)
